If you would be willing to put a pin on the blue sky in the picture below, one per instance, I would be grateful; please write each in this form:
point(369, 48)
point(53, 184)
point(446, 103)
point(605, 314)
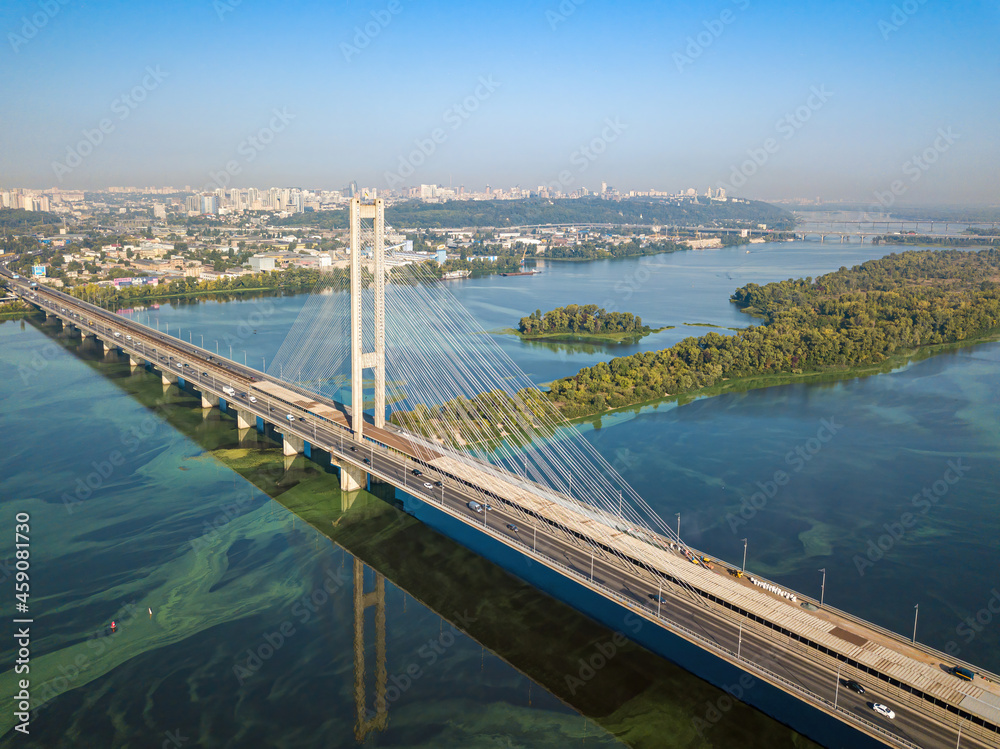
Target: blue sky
point(701, 95)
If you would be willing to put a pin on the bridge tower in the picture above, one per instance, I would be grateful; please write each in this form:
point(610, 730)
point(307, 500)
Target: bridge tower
point(375, 360)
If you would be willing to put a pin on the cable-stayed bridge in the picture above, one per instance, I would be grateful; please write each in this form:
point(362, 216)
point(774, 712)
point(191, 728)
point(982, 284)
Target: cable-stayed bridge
point(393, 380)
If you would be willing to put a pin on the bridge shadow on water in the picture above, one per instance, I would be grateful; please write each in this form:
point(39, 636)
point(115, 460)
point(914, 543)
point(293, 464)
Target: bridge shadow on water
point(640, 698)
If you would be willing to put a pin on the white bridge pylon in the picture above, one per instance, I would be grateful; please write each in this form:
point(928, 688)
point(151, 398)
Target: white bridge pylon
point(375, 360)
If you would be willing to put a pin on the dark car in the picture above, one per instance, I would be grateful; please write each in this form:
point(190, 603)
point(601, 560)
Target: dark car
point(657, 597)
point(512, 527)
point(353, 449)
point(417, 472)
point(854, 686)
point(438, 483)
point(367, 462)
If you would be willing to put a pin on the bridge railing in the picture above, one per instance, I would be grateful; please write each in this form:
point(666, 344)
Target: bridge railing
point(704, 642)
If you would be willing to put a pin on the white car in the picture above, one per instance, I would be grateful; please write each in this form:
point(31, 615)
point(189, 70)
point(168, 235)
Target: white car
point(252, 399)
point(883, 710)
point(428, 485)
point(474, 506)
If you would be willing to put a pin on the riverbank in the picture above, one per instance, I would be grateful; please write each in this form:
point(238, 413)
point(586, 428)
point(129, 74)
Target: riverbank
point(893, 363)
point(15, 310)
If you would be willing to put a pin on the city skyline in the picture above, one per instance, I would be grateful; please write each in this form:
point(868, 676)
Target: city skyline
point(873, 105)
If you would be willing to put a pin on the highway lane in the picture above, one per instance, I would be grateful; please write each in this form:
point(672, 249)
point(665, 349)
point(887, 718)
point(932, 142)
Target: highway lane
point(799, 664)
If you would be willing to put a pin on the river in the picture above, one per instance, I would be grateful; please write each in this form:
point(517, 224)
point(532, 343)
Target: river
point(141, 502)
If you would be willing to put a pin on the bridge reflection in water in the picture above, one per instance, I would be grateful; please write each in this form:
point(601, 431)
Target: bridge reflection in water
point(377, 719)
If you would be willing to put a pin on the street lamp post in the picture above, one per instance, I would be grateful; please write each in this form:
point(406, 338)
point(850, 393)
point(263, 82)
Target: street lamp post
point(916, 612)
point(744, 569)
point(822, 587)
point(678, 527)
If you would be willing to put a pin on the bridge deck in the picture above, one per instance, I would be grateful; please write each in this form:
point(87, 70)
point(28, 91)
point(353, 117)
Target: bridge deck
point(907, 665)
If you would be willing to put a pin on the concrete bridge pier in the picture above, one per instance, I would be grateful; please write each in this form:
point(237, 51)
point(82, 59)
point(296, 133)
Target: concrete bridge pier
point(292, 445)
point(169, 378)
point(352, 478)
point(207, 402)
point(108, 348)
point(245, 420)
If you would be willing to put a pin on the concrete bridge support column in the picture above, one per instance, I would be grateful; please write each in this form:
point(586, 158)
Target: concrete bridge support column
point(107, 347)
point(245, 419)
point(207, 402)
point(292, 445)
point(169, 378)
point(352, 478)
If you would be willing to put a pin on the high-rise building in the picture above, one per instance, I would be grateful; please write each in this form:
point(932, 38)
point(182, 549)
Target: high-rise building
point(209, 204)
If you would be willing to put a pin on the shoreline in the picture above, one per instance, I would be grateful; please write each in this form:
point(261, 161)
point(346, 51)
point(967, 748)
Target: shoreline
point(746, 384)
point(584, 337)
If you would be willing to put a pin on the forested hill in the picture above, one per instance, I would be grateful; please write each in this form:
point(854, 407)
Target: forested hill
point(848, 318)
point(500, 213)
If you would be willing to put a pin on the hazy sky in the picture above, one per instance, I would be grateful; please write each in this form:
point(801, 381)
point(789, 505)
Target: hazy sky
point(777, 100)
